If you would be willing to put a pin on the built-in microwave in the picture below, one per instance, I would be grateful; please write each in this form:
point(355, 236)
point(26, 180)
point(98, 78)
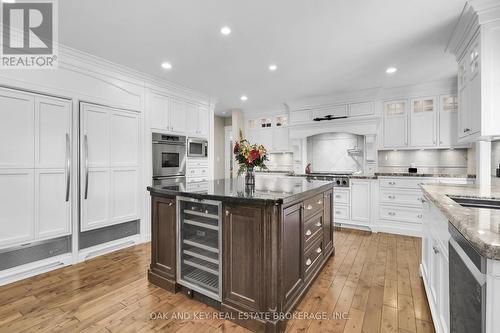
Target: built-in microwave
point(169, 155)
point(197, 147)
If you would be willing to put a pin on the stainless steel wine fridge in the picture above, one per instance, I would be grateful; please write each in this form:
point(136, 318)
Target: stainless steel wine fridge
point(199, 249)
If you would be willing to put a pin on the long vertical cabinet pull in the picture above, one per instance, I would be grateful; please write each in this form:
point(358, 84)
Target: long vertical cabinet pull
point(86, 149)
point(68, 166)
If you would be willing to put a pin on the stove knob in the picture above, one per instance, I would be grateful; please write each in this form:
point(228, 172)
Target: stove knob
point(338, 181)
point(344, 182)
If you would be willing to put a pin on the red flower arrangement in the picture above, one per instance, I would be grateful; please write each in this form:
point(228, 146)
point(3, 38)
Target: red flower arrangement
point(249, 156)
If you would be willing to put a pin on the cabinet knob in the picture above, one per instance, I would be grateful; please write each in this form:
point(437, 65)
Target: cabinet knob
point(318, 224)
point(227, 212)
point(170, 204)
point(419, 216)
point(392, 213)
point(308, 232)
point(308, 262)
point(392, 183)
point(435, 249)
point(337, 196)
point(320, 202)
point(318, 250)
point(309, 207)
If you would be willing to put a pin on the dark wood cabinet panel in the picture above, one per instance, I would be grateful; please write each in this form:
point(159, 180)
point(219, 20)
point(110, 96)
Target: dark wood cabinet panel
point(293, 272)
point(243, 256)
point(163, 242)
point(328, 221)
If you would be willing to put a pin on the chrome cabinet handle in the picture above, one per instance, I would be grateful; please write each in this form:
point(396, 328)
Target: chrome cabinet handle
point(308, 262)
point(318, 250)
point(337, 196)
point(86, 151)
point(309, 207)
point(308, 232)
point(320, 202)
point(419, 216)
point(337, 212)
point(68, 166)
point(227, 213)
point(170, 204)
point(466, 130)
point(318, 224)
point(392, 197)
point(392, 183)
point(435, 249)
point(392, 213)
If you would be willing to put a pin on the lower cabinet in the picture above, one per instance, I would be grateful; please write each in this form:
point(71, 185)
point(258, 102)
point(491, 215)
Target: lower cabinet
point(243, 257)
point(163, 246)
point(434, 267)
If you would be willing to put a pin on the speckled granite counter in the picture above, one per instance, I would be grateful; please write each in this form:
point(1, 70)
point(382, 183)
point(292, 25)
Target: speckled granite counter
point(433, 175)
point(481, 227)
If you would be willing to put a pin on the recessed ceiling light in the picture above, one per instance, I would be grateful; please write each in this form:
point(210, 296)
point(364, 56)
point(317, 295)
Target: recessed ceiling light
point(166, 65)
point(273, 67)
point(391, 70)
point(244, 98)
point(9, 1)
point(225, 30)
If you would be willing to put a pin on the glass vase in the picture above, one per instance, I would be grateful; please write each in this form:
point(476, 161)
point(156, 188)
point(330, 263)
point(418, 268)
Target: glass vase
point(250, 177)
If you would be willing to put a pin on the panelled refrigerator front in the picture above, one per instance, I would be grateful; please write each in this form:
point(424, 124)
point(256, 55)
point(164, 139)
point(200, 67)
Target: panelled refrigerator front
point(37, 170)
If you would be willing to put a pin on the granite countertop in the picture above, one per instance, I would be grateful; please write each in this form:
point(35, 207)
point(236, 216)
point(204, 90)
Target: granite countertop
point(267, 189)
point(437, 175)
point(480, 226)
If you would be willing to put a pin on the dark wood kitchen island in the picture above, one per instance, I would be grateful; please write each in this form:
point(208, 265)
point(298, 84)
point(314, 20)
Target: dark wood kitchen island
point(251, 252)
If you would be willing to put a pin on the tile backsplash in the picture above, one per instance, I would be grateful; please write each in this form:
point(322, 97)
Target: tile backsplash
point(280, 162)
point(453, 161)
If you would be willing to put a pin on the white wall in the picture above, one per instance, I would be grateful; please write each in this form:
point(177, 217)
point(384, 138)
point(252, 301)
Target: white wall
point(495, 156)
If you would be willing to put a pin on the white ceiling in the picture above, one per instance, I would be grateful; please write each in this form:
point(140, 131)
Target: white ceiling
point(320, 46)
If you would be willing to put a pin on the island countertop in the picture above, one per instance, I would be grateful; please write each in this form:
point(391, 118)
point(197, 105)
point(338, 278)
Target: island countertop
point(278, 189)
point(481, 227)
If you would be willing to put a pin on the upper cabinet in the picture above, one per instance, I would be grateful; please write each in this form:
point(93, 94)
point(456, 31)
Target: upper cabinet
point(475, 42)
point(423, 122)
point(173, 115)
point(448, 121)
point(304, 115)
point(272, 132)
point(395, 124)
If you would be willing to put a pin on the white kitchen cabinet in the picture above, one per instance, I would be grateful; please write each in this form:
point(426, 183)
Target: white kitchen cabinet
point(177, 116)
point(395, 124)
point(334, 110)
point(197, 120)
point(448, 121)
point(167, 114)
point(360, 201)
point(35, 181)
point(361, 109)
point(16, 129)
point(110, 141)
point(300, 117)
point(17, 207)
point(280, 139)
point(203, 121)
point(423, 121)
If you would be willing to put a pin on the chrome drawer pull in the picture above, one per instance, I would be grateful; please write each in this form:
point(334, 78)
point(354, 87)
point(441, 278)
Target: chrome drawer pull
point(419, 216)
point(392, 213)
point(337, 212)
point(308, 262)
point(337, 196)
point(435, 249)
point(308, 232)
point(318, 224)
point(392, 197)
point(309, 207)
point(318, 250)
point(320, 202)
point(392, 183)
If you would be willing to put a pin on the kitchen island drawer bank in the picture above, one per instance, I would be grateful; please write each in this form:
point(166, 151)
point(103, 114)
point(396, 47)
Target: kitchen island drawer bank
point(251, 252)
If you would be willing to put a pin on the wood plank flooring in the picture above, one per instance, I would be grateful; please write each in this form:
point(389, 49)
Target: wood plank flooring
point(372, 284)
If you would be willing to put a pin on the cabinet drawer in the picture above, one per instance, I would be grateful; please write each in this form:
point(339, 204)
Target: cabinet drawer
point(197, 172)
point(401, 197)
point(341, 212)
point(405, 183)
point(341, 196)
point(312, 227)
point(200, 163)
point(313, 205)
point(403, 214)
point(313, 257)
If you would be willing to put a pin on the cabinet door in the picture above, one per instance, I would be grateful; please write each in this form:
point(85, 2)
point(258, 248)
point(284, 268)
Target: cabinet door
point(423, 122)
point(474, 86)
point(16, 206)
point(265, 137)
point(280, 139)
point(360, 109)
point(52, 206)
point(203, 121)
point(177, 116)
point(192, 115)
point(448, 121)
point(395, 124)
point(243, 257)
point(159, 113)
point(293, 273)
point(163, 252)
point(16, 129)
point(335, 111)
point(96, 135)
point(52, 132)
point(360, 201)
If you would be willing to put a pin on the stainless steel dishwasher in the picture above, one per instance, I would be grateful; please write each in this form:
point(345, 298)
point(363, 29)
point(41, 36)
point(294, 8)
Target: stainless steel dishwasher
point(467, 285)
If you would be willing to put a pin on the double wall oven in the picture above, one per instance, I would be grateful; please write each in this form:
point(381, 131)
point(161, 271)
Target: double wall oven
point(169, 160)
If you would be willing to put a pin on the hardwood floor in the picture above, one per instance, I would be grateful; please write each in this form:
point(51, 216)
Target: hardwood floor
point(372, 284)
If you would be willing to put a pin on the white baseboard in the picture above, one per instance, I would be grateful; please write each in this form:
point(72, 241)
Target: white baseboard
point(34, 268)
